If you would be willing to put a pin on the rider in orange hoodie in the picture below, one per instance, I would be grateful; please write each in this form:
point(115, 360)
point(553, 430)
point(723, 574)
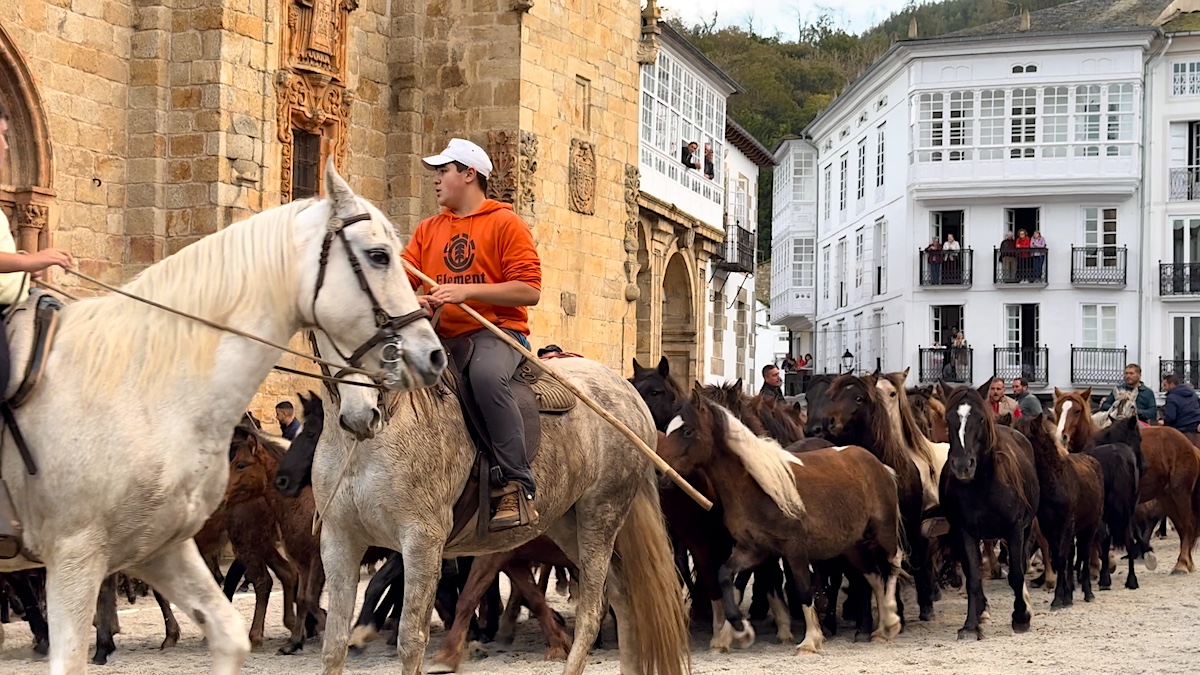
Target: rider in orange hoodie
point(482, 254)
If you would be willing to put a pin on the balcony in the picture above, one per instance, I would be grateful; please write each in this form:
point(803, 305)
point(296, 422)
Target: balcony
point(1185, 183)
point(1097, 365)
point(951, 364)
point(946, 269)
point(996, 171)
point(1029, 363)
point(1188, 371)
point(738, 250)
point(1022, 266)
point(1178, 279)
point(1098, 265)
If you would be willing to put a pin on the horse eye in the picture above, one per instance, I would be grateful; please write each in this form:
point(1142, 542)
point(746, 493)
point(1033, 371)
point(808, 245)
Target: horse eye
point(241, 466)
point(687, 432)
point(656, 392)
point(379, 257)
point(893, 394)
point(858, 399)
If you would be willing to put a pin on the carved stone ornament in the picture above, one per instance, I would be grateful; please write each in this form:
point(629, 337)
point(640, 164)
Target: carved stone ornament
point(648, 46)
point(633, 181)
point(581, 177)
point(311, 83)
point(522, 5)
point(527, 166)
point(502, 183)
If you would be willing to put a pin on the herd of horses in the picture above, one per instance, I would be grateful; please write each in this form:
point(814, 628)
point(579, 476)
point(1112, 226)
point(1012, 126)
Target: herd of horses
point(869, 485)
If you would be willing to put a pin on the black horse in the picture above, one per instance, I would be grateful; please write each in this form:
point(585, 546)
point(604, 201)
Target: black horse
point(989, 490)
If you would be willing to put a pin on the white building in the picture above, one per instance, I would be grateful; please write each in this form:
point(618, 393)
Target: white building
point(698, 215)
point(1172, 179)
point(1032, 123)
point(794, 243)
point(732, 307)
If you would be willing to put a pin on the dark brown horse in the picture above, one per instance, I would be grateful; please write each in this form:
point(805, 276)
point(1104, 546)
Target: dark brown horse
point(1170, 463)
point(1070, 507)
point(856, 415)
point(989, 491)
point(821, 505)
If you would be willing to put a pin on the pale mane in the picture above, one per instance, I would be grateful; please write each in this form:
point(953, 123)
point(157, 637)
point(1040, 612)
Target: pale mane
point(245, 266)
point(766, 463)
point(900, 415)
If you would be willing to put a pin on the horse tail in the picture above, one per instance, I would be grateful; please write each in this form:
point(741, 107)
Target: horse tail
point(652, 588)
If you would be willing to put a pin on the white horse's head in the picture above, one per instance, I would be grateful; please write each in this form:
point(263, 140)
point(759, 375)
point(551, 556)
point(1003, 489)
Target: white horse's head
point(357, 293)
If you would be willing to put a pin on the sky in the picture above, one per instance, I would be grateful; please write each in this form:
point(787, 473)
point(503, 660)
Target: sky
point(782, 16)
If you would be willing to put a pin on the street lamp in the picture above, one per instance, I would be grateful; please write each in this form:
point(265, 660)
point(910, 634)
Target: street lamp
point(848, 361)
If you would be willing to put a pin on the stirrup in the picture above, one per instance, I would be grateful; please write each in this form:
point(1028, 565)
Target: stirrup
point(525, 513)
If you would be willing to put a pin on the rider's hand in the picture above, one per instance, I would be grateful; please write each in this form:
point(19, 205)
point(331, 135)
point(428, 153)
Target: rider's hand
point(36, 262)
point(428, 303)
point(455, 294)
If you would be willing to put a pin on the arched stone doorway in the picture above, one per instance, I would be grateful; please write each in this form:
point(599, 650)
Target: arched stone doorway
point(679, 321)
point(27, 173)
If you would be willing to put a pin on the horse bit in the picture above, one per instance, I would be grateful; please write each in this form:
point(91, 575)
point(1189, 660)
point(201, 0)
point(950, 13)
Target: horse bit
point(388, 326)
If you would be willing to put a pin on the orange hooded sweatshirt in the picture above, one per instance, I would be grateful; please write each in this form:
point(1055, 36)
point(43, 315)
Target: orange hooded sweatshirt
point(491, 246)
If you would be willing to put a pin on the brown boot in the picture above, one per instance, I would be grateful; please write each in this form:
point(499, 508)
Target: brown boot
point(511, 511)
point(10, 527)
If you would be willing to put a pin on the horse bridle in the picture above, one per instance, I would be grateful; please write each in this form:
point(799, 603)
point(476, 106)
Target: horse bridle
point(388, 326)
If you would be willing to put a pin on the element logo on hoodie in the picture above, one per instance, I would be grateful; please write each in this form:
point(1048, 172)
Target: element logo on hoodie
point(460, 253)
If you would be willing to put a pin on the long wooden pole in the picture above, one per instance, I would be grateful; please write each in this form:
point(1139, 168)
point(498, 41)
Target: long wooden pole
point(553, 372)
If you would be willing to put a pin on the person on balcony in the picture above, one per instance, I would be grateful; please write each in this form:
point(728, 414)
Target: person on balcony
point(1147, 407)
point(710, 169)
point(1008, 259)
point(953, 271)
point(1024, 259)
point(1037, 247)
point(688, 155)
point(1182, 410)
point(933, 254)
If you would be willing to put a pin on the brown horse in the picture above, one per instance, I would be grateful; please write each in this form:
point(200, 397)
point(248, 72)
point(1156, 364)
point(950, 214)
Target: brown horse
point(857, 415)
point(807, 508)
point(1170, 463)
point(518, 565)
point(252, 476)
point(1069, 509)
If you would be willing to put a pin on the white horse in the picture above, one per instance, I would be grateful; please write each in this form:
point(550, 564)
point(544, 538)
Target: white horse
point(130, 426)
point(1124, 406)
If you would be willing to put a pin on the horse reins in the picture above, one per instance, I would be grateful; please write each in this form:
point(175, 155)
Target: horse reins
point(388, 326)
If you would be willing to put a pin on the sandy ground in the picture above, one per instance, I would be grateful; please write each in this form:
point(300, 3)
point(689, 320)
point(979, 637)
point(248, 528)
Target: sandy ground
point(1151, 630)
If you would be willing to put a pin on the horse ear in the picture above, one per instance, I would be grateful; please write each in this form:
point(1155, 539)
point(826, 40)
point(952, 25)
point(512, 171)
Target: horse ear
point(1087, 395)
point(738, 385)
point(664, 367)
point(906, 373)
point(637, 367)
point(338, 190)
point(1057, 393)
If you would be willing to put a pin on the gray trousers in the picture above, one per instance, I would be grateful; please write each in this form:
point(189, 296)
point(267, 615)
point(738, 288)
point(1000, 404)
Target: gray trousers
point(492, 365)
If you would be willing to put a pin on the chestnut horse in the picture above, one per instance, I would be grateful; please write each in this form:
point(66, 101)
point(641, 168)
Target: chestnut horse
point(989, 490)
point(821, 505)
point(1169, 465)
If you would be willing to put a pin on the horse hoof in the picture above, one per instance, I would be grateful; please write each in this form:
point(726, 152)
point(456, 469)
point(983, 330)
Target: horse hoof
point(1150, 560)
point(476, 649)
point(42, 648)
point(1131, 583)
point(964, 633)
point(926, 614)
point(1089, 597)
point(722, 641)
point(289, 649)
point(1057, 604)
point(806, 648)
point(1037, 582)
point(558, 653)
point(744, 639)
point(169, 642)
point(440, 668)
point(860, 636)
point(1021, 626)
point(785, 636)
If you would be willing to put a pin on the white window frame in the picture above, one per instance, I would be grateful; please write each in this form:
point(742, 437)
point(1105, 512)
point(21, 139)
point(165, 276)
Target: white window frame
point(804, 262)
point(881, 228)
point(880, 140)
point(679, 106)
point(828, 192)
point(859, 249)
point(1098, 325)
point(826, 263)
point(843, 164)
point(1185, 78)
point(1100, 227)
point(861, 190)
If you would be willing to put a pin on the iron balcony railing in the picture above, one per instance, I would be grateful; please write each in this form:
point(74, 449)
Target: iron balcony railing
point(946, 268)
point(1031, 363)
point(738, 251)
point(1097, 365)
point(1021, 266)
point(1185, 183)
point(1178, 278)
point(1098, 265)
point(1187, 370)
point(951, 364)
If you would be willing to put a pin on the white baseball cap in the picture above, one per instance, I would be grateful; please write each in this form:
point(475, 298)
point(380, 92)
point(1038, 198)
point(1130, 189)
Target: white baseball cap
point(460, 150)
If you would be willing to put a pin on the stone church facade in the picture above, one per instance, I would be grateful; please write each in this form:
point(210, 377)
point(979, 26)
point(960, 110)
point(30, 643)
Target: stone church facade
point(139, 126)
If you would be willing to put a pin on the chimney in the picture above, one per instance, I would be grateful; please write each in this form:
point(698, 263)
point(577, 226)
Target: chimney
point(1024, 19)
point(912, 28)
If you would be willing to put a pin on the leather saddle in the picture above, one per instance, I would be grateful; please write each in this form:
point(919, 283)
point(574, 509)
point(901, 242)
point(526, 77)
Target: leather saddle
point(30, 328)
point(536, 396)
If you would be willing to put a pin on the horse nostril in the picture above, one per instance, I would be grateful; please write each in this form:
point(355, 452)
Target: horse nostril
point(376, 419)
point(281, 483)
point(437, 359)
